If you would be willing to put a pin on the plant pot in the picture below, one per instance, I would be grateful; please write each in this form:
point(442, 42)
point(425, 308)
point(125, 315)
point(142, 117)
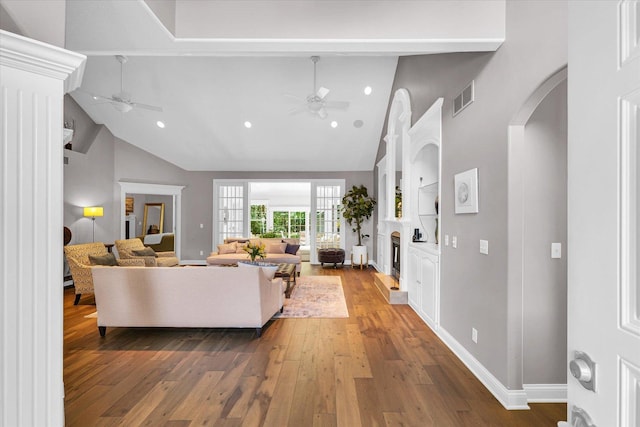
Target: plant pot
point(359, 256)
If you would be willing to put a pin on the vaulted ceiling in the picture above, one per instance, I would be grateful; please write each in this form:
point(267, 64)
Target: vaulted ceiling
point(214, 65)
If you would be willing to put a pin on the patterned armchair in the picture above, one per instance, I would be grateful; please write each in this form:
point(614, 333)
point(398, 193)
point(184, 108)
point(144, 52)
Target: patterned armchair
point(126, 247)
point(80, 267)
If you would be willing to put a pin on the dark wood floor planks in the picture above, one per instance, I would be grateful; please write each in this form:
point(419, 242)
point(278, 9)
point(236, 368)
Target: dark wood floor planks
point(381, 366)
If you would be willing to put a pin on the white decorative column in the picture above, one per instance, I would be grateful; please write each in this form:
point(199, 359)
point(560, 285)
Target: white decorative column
point(34, 77)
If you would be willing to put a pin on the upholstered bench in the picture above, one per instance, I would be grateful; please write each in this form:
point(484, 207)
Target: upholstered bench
point(331, 255)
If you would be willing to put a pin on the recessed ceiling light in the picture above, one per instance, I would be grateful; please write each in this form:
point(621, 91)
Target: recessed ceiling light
point(334, 124)
point(247, 124)
point(160, 124)
point(358, 123)
point(367, 90)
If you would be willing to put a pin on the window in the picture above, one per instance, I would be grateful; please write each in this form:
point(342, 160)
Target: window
point(258, 219)
point(230, 211)
point(289, 223)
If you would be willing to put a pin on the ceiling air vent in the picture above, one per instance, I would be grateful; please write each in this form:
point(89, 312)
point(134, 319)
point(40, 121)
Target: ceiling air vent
point(465, 98)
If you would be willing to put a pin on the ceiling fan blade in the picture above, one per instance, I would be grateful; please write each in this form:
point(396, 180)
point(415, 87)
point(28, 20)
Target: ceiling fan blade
point(322, 92)
point(95, 96)
point(322, 113)
point(298, 110)
point(339, 105)
point(146, 107)
point(294, 97)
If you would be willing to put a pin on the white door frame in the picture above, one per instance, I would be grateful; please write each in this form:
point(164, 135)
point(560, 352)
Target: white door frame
point(155, 189)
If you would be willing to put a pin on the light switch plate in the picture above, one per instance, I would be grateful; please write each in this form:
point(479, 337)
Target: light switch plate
point(556, 250)
point(446, 240)
point(454, 241)
point(484, 247)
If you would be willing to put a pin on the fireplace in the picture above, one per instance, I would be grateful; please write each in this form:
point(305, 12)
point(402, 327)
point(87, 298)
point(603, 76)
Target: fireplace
point(395, 255)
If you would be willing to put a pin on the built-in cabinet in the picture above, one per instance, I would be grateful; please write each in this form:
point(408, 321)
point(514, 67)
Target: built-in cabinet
point(412, 166)
point(423, 279)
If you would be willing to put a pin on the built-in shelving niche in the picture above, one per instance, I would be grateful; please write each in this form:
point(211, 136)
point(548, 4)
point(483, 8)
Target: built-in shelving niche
point(424, 179)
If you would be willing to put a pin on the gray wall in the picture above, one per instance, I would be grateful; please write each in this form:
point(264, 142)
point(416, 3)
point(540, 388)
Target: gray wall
point(474, 286)
point(135, 165)
point(88, 181)
point(92, 179)
point(545, 217)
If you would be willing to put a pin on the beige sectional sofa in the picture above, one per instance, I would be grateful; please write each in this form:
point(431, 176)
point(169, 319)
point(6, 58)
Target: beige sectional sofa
point(185, 297)
point(231, 252)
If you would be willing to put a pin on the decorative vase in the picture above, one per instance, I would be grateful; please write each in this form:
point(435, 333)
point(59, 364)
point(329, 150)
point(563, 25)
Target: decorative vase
point(359, 256)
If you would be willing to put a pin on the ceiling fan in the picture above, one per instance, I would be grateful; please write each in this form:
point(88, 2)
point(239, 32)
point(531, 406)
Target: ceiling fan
point(316, 103)
point(121, 101)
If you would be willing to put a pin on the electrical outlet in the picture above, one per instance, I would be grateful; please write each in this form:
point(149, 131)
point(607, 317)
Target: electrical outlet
point(474, 335)
point(446, 240)
point(201, 225)
point(201, 252)
point(556, 250)
point(484, 247)
point(454, 241)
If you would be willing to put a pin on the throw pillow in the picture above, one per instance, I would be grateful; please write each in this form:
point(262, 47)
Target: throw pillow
point(147, 251)
point(269, 270)
point(107, 259)
point(240, 248)
point(277, 248)
point(291, 249)
point(237, 240)
point(228, 248)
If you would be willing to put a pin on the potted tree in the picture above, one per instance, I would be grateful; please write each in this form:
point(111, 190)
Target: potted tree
point(357, 206)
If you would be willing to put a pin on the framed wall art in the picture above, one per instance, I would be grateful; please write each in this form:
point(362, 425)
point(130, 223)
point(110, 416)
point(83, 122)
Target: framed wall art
point(128, 206)
point(466, 191)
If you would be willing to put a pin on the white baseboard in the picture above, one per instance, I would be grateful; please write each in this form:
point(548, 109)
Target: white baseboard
point(510, 399)
point(193, 262)
point(546, 393)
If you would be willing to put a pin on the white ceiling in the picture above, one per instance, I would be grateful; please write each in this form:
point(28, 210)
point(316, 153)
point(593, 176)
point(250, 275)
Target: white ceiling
point(208, 85)
point(281, 194)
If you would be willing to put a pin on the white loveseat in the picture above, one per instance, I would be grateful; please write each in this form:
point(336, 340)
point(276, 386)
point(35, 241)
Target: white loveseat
point(185, 297)
point(271, 244)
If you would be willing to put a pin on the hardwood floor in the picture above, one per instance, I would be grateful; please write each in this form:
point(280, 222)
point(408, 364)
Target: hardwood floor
point(380, 366)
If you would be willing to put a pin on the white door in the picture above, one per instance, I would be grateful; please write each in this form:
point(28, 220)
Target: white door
point(604, 292)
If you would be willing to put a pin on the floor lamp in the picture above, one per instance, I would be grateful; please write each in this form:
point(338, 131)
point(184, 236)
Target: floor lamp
point(93, 212)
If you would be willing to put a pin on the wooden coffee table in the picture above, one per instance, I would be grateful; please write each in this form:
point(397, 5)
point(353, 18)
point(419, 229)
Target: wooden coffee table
point(287, 272)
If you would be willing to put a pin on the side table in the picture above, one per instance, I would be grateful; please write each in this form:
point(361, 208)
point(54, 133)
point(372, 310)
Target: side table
point(287, 271)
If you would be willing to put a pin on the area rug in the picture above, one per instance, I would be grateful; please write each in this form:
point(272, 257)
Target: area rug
point(316, 296)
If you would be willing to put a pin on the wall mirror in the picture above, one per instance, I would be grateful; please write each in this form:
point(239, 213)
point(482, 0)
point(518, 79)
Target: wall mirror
point(153, 220)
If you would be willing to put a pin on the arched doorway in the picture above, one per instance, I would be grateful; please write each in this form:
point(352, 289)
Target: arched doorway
point(537, 311)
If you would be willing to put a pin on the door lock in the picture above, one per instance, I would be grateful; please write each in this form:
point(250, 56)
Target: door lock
point(584, 370)
point(580, 418)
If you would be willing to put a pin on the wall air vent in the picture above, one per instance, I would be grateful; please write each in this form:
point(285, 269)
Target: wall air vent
point(465, 98)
